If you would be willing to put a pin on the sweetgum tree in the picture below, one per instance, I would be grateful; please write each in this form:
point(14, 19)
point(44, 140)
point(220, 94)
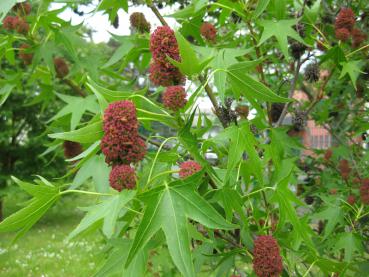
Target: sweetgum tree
point(229, 193)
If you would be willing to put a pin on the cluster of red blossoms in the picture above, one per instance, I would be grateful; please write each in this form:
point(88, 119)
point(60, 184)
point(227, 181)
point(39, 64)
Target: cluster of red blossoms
point(188, 168)
point(174, 98)
point(121, 143)
point(163, 43)
point(364, 191)
point(344, 27)
point(18, 23)
point(61, 68)
point(25, 54)
point(344, 169)
point(267, 260)
point(122, 177)
point(208, 31)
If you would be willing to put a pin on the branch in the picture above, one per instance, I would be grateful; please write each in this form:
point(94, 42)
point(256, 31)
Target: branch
point(73, 86)
point(158, 15)
point(290, 94)
point(213, 100)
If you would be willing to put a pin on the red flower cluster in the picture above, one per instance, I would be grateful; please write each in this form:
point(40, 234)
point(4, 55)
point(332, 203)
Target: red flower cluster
point(188, 168)
point(342, 34)
point(61, 68)
point(267, 260)
point(20, 25)
point(174, 98)
point(139, 22)
point(358, 37)
point(121, 143)
point(344, 168)
point(208, 31)
point(351, 199)
point(328, 154)
point(344, 28)
point(72, 149)
point(364, 191)
point(163, 43)
point(24, 54)
point(23, 8)
point(122, 177)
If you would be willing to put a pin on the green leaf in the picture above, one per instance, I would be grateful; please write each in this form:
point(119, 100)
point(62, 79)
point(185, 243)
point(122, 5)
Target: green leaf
point(89, 134)
point(334, 215)
point(190, 64)
point(261, 6)
point(96, 168)
point(5, 7)
point(168, 208)
point(121, 52)
point(44, 196)
point(352, 68)
point(351, 243)
point(285, 198)
point(76, 106)
point(280, 30)
point(249, 87)
point(106, 212)
point(5, 92)
point(114, 265)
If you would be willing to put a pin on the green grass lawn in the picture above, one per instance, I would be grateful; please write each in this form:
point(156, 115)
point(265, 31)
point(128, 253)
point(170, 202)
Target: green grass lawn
point(43, 251)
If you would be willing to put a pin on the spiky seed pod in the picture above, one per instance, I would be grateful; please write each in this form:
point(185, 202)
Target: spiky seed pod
point(61, 68)
point(358, 37)
point(208, 31)
point(10, 23)
point(345, 19)
point(225, 112)
point(297, 49)
point(242, 111)
point(309, 200)
point(342, 34)
point(351, 199)
point(276, 111)
point(320, 45)
point(267, 261)
point(23, 8)
point(163, 43)
point(165, 75)
point(356, 180)
point(333, 191)
point(320, 227)
point(24, 54)
point(71, 149)
point(139, 22)
point(312, 73)
point(299, 120)
point(174, 98)
point(116, 22)
point(328, 154)
point(364, 191)
point(122, 177)
point(188, 168)
point(300, 29)
point(120, 119)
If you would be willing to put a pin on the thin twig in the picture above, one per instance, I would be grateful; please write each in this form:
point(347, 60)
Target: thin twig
point(73, 86)
point(158, 15)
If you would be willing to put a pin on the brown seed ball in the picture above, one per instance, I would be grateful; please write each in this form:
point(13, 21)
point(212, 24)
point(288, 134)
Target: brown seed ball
point(61, 68)
point(267, 260)
point(351, 199)
point(24, 54)
point(122, 177)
